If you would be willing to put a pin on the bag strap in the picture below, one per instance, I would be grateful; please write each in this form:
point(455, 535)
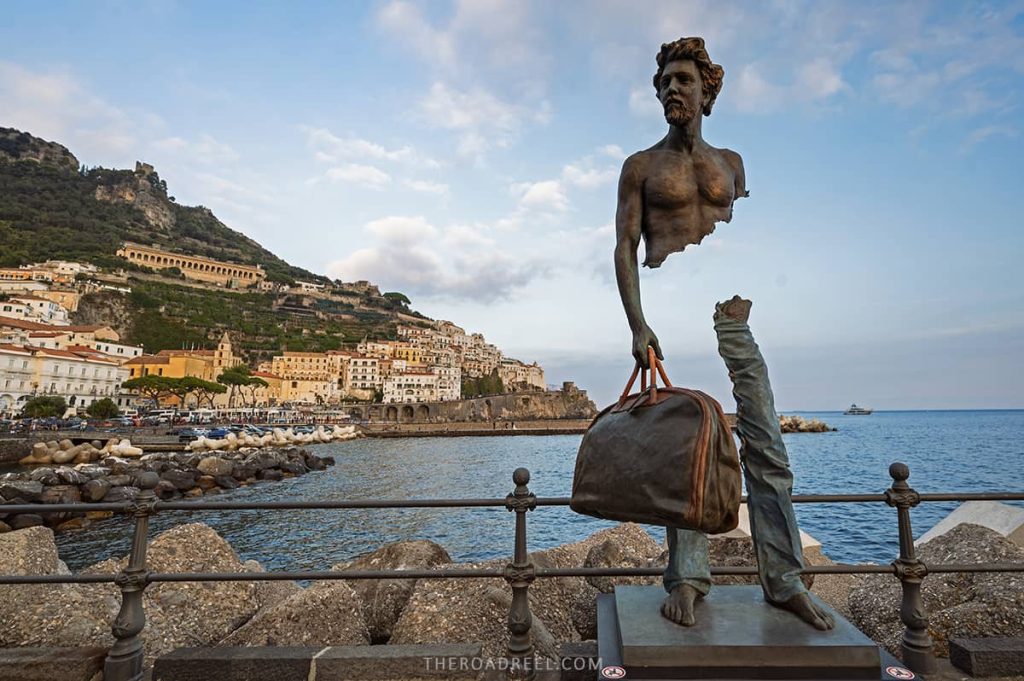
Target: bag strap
point(655, 365)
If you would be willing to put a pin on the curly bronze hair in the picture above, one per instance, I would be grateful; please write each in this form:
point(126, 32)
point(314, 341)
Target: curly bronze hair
point(711, 74)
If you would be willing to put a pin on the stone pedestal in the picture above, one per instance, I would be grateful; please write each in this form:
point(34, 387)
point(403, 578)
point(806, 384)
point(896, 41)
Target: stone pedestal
point(737, 637)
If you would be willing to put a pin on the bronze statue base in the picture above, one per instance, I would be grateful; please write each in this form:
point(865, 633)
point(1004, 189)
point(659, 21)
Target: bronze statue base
point(737, 636)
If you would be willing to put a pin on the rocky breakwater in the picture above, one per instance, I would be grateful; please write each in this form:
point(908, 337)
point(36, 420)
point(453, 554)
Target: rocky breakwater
point(278, 437)
point(328, 612)
point(798, 424)
point(186, 475)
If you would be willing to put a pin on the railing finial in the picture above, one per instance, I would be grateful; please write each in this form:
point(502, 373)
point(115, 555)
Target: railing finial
point(916, 645)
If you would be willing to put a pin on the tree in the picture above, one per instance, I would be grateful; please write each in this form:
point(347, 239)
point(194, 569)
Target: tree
point(103, 409)
point(205, 390)
point(44, 406)
point(252, 385)
point(234, 378)
point(400, 298)
point(151, 387)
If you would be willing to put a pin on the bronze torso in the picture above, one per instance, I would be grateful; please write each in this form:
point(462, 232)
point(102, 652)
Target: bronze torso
point(684, 195)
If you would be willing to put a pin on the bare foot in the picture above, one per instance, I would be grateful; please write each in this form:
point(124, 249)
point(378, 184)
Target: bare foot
point(737, 308)
point(803, 607)
point(678, 605)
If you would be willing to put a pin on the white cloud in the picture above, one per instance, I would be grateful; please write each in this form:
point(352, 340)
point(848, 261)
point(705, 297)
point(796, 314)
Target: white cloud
point(417, 258)
point(614, 151)
point(479, 43)
point(330, 148)
point(404, 19)
point(644, 103)
point(55, 106)
point(819, 79)
point(481, 119)
point(205, 149)
point(363, 175)
point(582, 174)
point(548, 195)
point(979, 135)
point(427, 187)
point(399, 228)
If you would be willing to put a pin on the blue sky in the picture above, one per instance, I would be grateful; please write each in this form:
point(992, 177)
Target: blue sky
point(466, 154)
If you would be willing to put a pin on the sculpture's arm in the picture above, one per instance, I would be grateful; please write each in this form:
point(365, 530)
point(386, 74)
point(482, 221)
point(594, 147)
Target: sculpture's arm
point(736, 162)
point(628, 220)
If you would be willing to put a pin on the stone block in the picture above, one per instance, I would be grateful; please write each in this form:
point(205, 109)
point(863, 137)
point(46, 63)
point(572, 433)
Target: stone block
point(579, 661)
point(1002, 518)
point(235, 664)
point(51, 664)
point(1002, 656)
point(737, 635)
point(455, 661)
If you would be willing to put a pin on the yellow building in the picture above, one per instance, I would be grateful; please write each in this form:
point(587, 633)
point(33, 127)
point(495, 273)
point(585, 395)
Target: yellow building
point(193, 266)
point(204, 364)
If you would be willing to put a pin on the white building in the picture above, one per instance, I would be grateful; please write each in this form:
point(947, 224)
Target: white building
point(411, 386)
point(35, 309)
point(363, 373)
point(449, 382)
point(80, 375)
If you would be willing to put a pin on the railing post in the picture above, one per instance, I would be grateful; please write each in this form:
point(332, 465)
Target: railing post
point(520, 574)
point(917, 642)
point(125, 660)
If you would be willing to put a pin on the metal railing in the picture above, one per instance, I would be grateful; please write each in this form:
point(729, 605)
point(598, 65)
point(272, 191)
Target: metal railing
point(124, 661)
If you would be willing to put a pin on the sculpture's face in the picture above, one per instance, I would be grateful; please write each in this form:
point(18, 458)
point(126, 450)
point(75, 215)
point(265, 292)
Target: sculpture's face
point(681, 91)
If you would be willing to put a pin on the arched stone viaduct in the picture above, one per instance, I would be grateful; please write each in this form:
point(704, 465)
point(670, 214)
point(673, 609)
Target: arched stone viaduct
point(521, 405)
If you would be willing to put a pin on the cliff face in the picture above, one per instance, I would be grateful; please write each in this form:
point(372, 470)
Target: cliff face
point(145, 191)
point(107, 308)
point(21, 146)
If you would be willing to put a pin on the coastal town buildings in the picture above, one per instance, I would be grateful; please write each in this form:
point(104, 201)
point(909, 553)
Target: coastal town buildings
point(198, 268)
point(35, 308)
point(204, 364)
point(411, 385)
point(79, 374)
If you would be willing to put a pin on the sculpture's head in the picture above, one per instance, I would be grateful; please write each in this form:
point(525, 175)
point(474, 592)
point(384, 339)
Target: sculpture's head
point(687, 81)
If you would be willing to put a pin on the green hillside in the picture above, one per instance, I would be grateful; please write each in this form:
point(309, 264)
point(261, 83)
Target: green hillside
point(51, 207)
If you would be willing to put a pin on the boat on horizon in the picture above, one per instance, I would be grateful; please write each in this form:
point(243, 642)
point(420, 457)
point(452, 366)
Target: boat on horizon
point(854, 410)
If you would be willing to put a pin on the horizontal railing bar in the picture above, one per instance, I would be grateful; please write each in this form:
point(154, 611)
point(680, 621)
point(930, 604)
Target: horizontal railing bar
point(471, 573)
point(297, 505)
point(82, 507)
point(123, 507)
point(56, 579)
point(974, 496)
point(477, 573)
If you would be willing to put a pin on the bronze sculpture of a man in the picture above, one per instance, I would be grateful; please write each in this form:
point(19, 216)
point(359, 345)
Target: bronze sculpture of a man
point(671, 195)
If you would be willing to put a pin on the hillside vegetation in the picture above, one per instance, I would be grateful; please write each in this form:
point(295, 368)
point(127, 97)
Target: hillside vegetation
point(51, 207)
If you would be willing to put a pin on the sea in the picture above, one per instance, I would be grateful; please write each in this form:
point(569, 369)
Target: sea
point(947, 451)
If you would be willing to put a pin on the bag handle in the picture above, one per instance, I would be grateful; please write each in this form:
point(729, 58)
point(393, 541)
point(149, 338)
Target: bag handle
point(654, 364)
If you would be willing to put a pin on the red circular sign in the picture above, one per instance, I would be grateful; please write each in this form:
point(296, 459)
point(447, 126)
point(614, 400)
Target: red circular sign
point(613, 672)
point(900, 673)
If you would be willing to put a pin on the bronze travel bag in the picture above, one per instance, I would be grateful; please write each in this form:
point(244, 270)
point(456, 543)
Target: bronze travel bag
point(662, 456)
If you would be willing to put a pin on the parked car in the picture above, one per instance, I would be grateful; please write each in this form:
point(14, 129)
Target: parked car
point(189, 434)
point(218, 433)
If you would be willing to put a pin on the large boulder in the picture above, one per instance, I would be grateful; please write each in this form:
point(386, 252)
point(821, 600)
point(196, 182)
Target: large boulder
point(272, 591)
point(328, 613)
point(43, 614)
point(569, 604)
point(215, 466)
point(29, 491)
point(180, 614)
point(467, 611)
point(967, 605)
point(384, 599)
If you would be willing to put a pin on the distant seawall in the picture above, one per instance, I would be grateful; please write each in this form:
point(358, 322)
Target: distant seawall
point(502, 427)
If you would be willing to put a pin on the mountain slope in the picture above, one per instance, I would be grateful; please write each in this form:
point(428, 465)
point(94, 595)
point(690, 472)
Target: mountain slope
point(53, 208)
